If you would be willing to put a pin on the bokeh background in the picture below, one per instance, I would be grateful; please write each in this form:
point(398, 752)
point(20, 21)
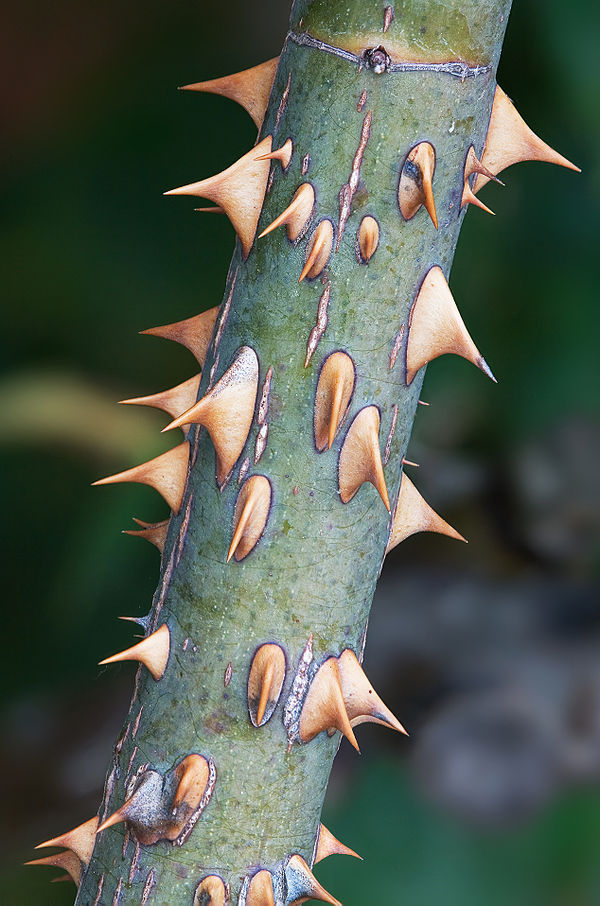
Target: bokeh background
point(489, 653)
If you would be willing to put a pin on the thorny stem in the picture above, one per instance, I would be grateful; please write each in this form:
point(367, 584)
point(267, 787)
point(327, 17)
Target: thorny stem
point(308, 583)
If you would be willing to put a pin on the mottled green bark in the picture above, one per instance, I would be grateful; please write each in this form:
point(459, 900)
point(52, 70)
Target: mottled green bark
point(315, 568)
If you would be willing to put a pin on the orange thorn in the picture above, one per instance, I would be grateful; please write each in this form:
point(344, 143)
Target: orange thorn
point(368, 238)
point(211, 891)
point(302, 884)
point(250, 517)
point(297, 214)
point(227, 410)
point(153, 652)
point(324, 707)
point(166, 473)
point(154, 532)
point(474, 165)
point(192, 774)
point(416, 182)
point(336, 411)
point(283, 154)
point(260, 889)
point(436, 328)
point(318, 251)
point(469, 198)
point(360, 457)
point(66, 860)
point(333, 396)
point(264, 693)
point(265, 682)
point(80, 840)
point(239, 190)
point(509, 140)
point(250, 88)
point(413, 514)
point(363, 705)
point(193, 333)
point(174, 401)
point(329, 845)
point(116, 817)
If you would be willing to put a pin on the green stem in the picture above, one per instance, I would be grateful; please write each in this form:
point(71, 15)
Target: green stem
point(313, 572)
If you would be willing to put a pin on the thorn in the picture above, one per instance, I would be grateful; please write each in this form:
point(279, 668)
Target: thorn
point(144, 622)
point(116, 818)
point(302, 884)
point(409, 462)
point(436, 327)
point(154, 532)
point(66, 860)
point(469, 198)
point(362, 702)
point(212, 209)
point(368, 238)
point(192, 775)
point(423, 403)
point(193, 333)
point(250, 517)
point(324, 707)
point(264, 692)
point(297, 214)
point(329, 845)
point(250, 88)
point(283, 154)
point(360, 457)
point(141, 809)
point(227, 410)
point(509, 140)
point(413, 514)
point(80, 840)
point(166, 473)
point(174, 401)
point(483, 366)
point(239, 190)
point(341, 697)
point(260, 890)
point(318, 251)
point(167, 806)
point(333, 396)
point(153, 652)
point(265, 682)
point(474, 165)
point(416, 182)
point(211, 891)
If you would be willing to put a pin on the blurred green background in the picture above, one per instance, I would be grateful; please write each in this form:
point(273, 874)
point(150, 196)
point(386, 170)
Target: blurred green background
point(489, 653)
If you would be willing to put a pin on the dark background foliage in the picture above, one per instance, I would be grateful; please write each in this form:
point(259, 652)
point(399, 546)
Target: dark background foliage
point(489, 653)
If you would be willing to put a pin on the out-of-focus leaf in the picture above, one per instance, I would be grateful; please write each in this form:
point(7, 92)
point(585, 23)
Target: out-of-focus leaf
point(42, 407)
